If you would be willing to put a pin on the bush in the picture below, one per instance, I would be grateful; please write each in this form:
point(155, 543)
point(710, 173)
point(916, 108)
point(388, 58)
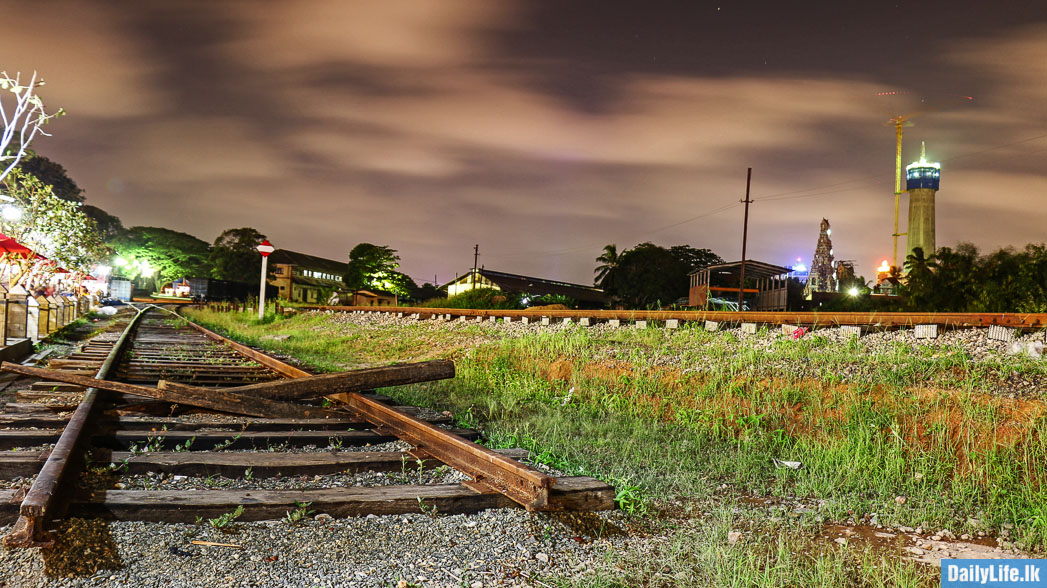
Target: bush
point(481, 298)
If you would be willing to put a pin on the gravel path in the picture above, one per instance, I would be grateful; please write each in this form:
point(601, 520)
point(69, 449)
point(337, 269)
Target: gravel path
point(504, 547)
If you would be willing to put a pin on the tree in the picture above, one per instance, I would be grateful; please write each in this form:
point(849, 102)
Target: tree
point(649, 275)
point(234, 255)
point(919, 285)
point(22, 120)
point(374, 266)
point(51, 227)
point(694, 259)
point(108, 225)
point(160, 253)
point(52, 173)
point(608, 267)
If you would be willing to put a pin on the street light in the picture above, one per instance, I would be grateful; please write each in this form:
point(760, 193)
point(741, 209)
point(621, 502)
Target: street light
point(265, 248)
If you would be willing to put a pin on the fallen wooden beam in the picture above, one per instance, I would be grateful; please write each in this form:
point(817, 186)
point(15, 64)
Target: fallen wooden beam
point(569, 493)
point(351, 381)
point(233, 464)
point(212, 398)
point(10, 438)
point(126, 422)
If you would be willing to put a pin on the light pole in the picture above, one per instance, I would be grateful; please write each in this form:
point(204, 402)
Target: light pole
point(265, 248)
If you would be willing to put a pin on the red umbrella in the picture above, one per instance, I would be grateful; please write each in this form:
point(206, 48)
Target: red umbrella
point(9, 245)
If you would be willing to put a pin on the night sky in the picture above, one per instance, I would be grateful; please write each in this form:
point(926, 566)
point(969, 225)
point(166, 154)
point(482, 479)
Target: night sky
point(543, 130)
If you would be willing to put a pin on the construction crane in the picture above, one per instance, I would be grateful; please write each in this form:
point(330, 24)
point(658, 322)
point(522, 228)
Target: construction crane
point(898, 123)
point(940, 101)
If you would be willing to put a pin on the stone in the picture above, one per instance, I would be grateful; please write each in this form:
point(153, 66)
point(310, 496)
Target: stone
point(641, 324)
point(545, 320)
point(492, 319)
point(998, 333)
point(614, 323)
point(733, 537)
point(585, 321)
point(851, 331)
point(672, 324)
point(840, 540)
point(789, 329)
point(526, 320)
point(507, 319)
point(544, 558)
point(568, 320)
point(749, 328)
point(926, 331)
point(712, 325)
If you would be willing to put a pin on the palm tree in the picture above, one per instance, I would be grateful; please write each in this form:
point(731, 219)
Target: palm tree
point(609, 266)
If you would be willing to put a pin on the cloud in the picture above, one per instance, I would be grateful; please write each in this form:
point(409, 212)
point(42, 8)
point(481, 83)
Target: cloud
point(412, 124)
point(91, 70)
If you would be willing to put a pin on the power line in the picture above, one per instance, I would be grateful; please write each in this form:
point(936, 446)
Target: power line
point(823, 190)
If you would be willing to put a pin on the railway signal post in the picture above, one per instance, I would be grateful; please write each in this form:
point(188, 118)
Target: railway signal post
point(265, 248)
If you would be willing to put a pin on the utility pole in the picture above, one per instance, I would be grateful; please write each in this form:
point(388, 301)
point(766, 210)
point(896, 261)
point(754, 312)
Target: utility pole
point(476, 254)
point(745, 237)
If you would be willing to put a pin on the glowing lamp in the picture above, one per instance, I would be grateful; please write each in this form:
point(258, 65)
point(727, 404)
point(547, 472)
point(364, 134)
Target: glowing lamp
point(884, 268)
point(853, 292)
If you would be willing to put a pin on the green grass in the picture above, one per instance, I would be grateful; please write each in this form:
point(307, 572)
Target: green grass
point(691, 415)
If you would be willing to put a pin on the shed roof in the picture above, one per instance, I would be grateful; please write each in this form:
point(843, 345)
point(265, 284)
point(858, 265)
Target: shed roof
point(307, 261)
point(541, 286)
point(753, 269)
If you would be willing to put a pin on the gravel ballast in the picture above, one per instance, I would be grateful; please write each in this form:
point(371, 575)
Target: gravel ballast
point(503, 547)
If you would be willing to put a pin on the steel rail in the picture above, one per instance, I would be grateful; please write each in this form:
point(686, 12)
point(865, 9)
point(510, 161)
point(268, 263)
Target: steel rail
point(521, 483)
point(824, 319)
point(40, 503)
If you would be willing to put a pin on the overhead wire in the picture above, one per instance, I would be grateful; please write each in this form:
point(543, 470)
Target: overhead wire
point(822, 190)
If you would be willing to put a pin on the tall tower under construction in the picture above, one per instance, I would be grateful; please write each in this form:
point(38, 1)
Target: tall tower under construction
point(921, 181)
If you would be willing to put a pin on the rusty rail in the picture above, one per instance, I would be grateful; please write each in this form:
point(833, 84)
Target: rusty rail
point(39, 505)
point(523, 484)
point(885, 319)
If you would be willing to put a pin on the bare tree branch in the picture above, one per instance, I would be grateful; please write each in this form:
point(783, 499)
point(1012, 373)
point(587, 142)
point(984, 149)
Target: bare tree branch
point(24, 120)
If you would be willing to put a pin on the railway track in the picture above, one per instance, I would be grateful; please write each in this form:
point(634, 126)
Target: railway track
point(160, 397)
point(815, 319)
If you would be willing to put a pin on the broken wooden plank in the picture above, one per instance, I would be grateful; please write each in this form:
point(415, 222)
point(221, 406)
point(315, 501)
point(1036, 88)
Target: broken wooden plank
point(14, 464)
point(125, 422)
point(214, 399)
point(10, 438)
point(351, 381)
point(185, 507)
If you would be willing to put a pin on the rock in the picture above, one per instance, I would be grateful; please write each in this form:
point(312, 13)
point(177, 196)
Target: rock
point(965, 537)
point(900, 499)
point(474, 584)
point(840, 540)
point(544, 558)
point(323, 518)
point(733, 537)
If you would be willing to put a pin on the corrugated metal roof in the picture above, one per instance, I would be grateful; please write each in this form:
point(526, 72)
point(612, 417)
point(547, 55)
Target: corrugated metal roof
point(753, 269)
point(541, 286)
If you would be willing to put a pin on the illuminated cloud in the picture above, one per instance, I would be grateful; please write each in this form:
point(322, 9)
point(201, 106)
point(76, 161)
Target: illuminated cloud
point(540, 133)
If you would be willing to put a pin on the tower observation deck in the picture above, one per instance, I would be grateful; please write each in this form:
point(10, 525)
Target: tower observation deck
point(921, 181)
